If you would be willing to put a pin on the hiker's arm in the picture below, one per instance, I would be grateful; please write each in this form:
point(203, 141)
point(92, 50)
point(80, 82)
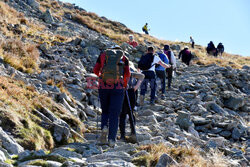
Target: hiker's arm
point(179, 56)
point(140, 78)
point(164, 64)
point(98, 65)
point(126, 71)
point(173, 59)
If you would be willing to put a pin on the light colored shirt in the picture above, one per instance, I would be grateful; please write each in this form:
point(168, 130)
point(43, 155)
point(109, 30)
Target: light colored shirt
point(155, 61)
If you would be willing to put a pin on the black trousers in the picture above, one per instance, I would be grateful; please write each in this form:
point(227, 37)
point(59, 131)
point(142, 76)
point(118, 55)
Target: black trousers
point(169, 75)
point(126, 110)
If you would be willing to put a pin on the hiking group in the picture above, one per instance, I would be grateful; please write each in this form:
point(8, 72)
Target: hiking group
point(211, 49)
point(120, 83)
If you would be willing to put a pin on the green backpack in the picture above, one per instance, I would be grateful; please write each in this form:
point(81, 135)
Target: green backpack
point(113, 66)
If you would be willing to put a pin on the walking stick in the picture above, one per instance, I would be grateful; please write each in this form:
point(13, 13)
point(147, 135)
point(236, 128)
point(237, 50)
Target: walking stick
point(131, 115)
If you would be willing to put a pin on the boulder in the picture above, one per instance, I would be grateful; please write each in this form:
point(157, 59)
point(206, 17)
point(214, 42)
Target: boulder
point(47, 17)
point(183, 120)
point(166, 160)
point(9, 143)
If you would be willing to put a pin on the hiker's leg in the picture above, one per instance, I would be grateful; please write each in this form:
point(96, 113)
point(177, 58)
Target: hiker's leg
point(152, 85)
point(144, 83)
point(122, 121)
point(163, 81)
point(170, 71)
point(104, 95)
point(116, 101)
point(131, 94)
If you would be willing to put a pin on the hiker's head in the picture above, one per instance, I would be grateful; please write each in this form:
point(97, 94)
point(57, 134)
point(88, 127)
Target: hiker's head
point(131, 37)
point(150, 49)
point(146, 23)
point(115, 47)
point(166, 47)
point(186, 47)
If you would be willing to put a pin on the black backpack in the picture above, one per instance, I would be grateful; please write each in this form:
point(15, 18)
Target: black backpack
point(145, 61)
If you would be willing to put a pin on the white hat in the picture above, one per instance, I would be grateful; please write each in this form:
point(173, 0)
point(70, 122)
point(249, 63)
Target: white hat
point(115, 47)
point(186, 47)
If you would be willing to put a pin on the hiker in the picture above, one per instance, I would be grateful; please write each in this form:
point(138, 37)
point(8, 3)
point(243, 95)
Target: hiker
point(192, 41)
point(220, 48)
point(161, 73)
point(129, 102)
point(145, 28)
point(185, 55)
point(211, 49)
point(172, 61)
point(112, 67)
point(147, 65)
point(132, 42)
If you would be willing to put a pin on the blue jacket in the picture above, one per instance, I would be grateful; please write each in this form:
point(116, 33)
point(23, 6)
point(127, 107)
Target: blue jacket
point(164, 58)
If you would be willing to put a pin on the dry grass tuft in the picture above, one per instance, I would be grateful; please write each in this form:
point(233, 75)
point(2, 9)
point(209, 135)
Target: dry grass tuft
point(235, 61)
point(183, 155)
point(23, 57)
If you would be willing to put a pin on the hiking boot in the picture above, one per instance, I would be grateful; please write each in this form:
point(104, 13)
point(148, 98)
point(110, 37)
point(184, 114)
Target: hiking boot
point(152, 103)
point(112, 143)
point(163, 97)
point(132, 138)
point(103, 137)
point(141, 100)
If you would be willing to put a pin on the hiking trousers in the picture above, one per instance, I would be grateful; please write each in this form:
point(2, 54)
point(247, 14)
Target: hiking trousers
point(126, 110)
point(111, 104)
point(162, 75)
point(170, 76)
point(149, 78)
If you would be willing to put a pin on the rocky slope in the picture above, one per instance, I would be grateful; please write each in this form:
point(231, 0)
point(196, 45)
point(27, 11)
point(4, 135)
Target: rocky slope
point(49, 115)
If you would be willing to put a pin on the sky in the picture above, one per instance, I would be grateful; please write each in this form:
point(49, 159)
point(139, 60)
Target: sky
point(226, 21)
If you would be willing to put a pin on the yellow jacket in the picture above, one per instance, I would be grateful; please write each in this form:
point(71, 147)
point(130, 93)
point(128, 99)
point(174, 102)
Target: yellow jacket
point(145, 27)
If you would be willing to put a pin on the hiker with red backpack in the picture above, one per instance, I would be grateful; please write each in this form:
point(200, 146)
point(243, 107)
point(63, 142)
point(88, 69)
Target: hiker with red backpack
point(147, 65)
point(172, 61)
point(185, 55)
point(112, 67)
point(129, 102)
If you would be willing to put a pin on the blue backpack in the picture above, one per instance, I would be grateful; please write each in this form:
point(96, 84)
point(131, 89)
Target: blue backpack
point(145, 61)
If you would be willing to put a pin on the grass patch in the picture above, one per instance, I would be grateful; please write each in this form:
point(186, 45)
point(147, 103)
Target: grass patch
point(21, 56)
point(192, 157)
point(17, 101)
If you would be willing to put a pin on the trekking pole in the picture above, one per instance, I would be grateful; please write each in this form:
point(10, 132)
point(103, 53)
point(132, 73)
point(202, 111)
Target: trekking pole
point(131, 115)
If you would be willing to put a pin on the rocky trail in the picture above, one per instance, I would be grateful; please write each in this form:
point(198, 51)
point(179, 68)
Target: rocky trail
point(207, 109)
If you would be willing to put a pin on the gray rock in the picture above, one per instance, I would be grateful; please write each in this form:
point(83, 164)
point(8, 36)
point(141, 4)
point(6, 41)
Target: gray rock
point(2, 156)
point(2, 164)
point(216, 108)
point(200, 120)
point(107, 156)
point(236, 134)
point(47, 17)
point(61, 133)
point(33, 3)
point(183, 120)
point(9, 143)
point(225, 133)
point(54, 164)
point(66, 153)
point(111, 163)
point(166, 160)
point(234, 103)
